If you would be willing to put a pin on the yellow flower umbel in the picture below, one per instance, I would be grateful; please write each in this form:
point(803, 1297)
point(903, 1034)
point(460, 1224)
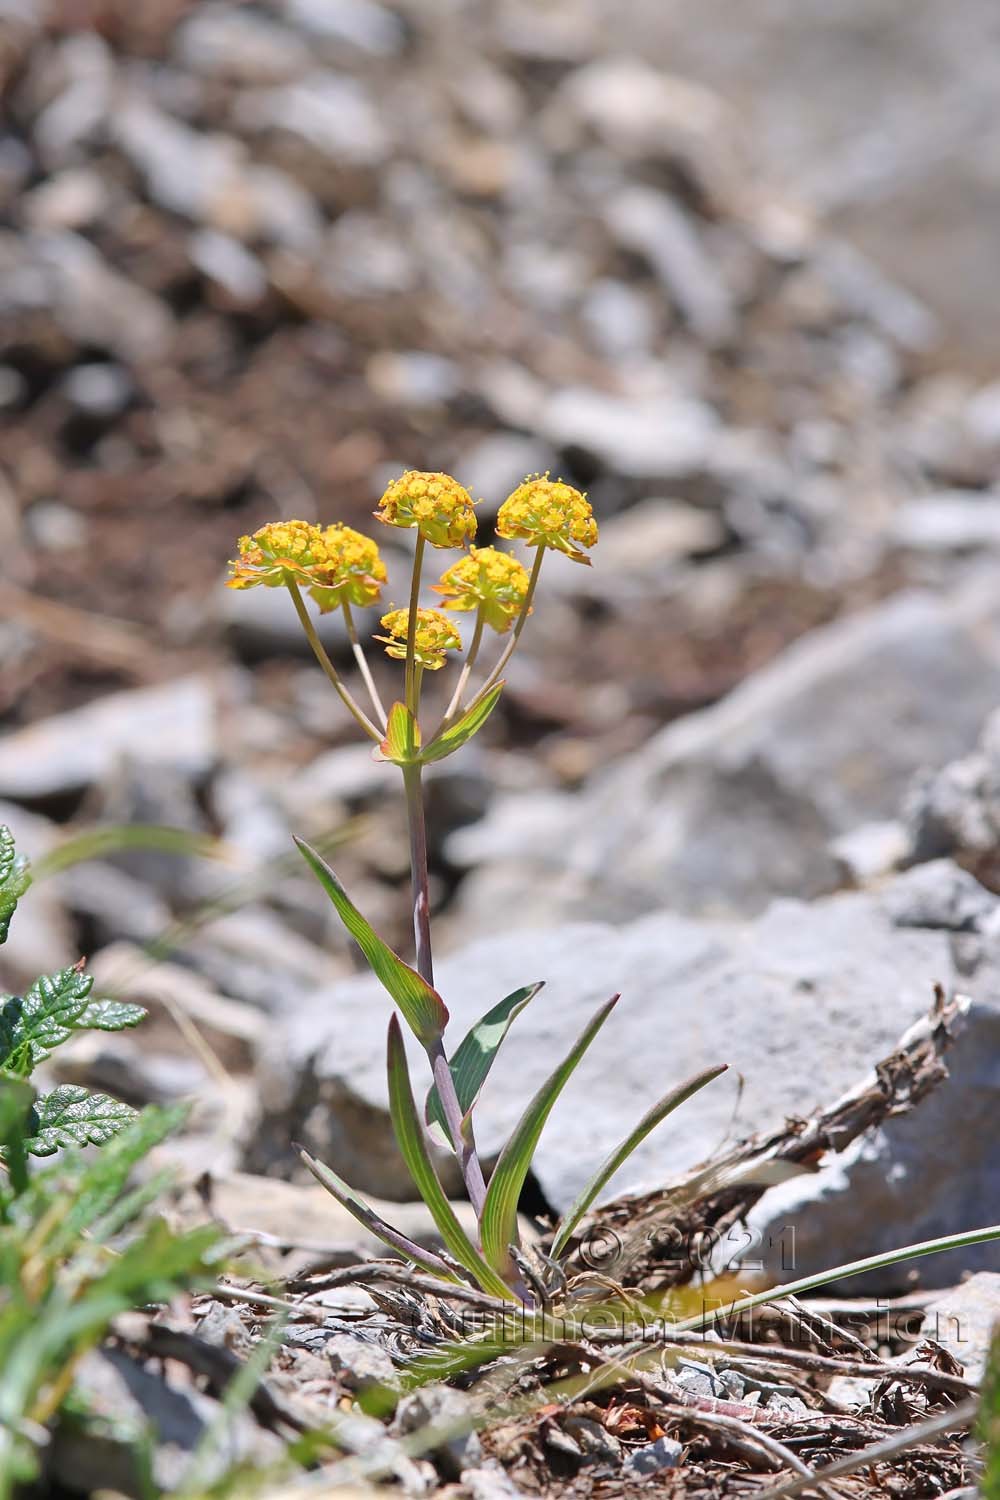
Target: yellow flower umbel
point(437, 505)
point(435, 635)
point(545, 512)
point(356, 572)
point(487, 580)
point(278, 552)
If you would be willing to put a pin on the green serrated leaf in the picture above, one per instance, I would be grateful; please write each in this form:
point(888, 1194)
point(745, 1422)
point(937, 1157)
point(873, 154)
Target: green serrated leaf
point(45, 1015)
point(402, 737)
point(422, 1007)
point(15, 877)
point(456, 735)
point(71, 1116)
point(373, 1222)
point(413, 1149)
point(109, 1015)
point(474, 1056)
point(623, 1151)
point(498, 1221)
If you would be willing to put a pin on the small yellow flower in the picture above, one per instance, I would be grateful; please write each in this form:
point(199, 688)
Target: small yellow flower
point(356, 573)
point(439, 507)
point(489, 580)
point(277, 552)
point(545, 512)
point(435, 635)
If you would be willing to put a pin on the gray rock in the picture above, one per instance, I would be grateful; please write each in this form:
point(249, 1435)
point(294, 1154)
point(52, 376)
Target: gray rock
point(98, 390)
point(955, 521)
point(171, 725)
point(438, 1406)
point(362, 1366)
point(802, 1002)
point(329, 111)
point(964, 1320)
point(362, 23)
point(224, 41)
point(651, 1458)
point(411, 377)
point(956, 810)
point(728, 807)
point(70, 199)
point(229, 265)
point(490, 1482)
point(648, 437)
point(620, 319)
point(655, 227)
point(497, 464)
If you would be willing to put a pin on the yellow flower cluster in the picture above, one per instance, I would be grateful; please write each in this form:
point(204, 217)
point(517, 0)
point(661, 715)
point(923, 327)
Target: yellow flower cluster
point(435, 634)
point(437, 505)
point(486, 580)
point(545, 512)
point(335, 564)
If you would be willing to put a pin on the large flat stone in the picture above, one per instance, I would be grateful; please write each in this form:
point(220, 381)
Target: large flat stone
point(801, 1002)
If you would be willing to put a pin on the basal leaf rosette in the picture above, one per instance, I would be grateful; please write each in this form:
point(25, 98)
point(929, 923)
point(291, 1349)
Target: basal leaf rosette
point(435, 504)
point(544, 512)
point(335, 564)
point(435, 634)
point(487, 580)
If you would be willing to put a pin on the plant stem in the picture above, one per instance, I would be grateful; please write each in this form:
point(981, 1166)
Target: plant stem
point(470, 661)
point(411, 625)
point(464, 1145)
point(319, 651)
point(362, 661)
point(418, 871)
point(519, 624)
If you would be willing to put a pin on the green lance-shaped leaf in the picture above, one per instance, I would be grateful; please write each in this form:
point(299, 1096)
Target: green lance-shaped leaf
point(365, 1215)
point(423, 1009)
point(14, 879)
point(413, 1148)
point(624, 1150)
point(498, 1222)
point(474, 1055)
point(72, 1116)
point(402, 737)
point(456, 735)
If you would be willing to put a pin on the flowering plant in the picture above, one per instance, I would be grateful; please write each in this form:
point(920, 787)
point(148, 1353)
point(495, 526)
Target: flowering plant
point(339, 568)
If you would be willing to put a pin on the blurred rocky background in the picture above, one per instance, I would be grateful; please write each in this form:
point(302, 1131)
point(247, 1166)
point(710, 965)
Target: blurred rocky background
point(732, 271)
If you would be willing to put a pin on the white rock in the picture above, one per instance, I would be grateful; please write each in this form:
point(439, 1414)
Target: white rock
point(653, 437)
point(172, 724)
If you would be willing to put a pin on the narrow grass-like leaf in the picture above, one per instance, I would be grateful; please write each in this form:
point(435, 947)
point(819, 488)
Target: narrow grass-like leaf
point(498, 1222)
point(72, 1116)
point(402, 737)
point(16, 1098)
point(422, 1007)
point(456, 735)
point(365, 1215)
point(838, 1273)
point(95, 843)
point(475, 1053)
point(413, 1148)
point(623, 1151)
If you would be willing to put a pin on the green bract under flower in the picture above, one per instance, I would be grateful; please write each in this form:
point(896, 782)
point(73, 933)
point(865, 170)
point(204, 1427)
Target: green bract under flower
point(545, 512)
point(437, 505)
point(435, 634)
point(487, 580)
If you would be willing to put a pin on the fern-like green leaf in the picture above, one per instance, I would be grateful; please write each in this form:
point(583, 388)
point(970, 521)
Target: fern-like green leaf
point(498, 1222)
point(72, 1116)
point(109, 1015)
point(46, 1015)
